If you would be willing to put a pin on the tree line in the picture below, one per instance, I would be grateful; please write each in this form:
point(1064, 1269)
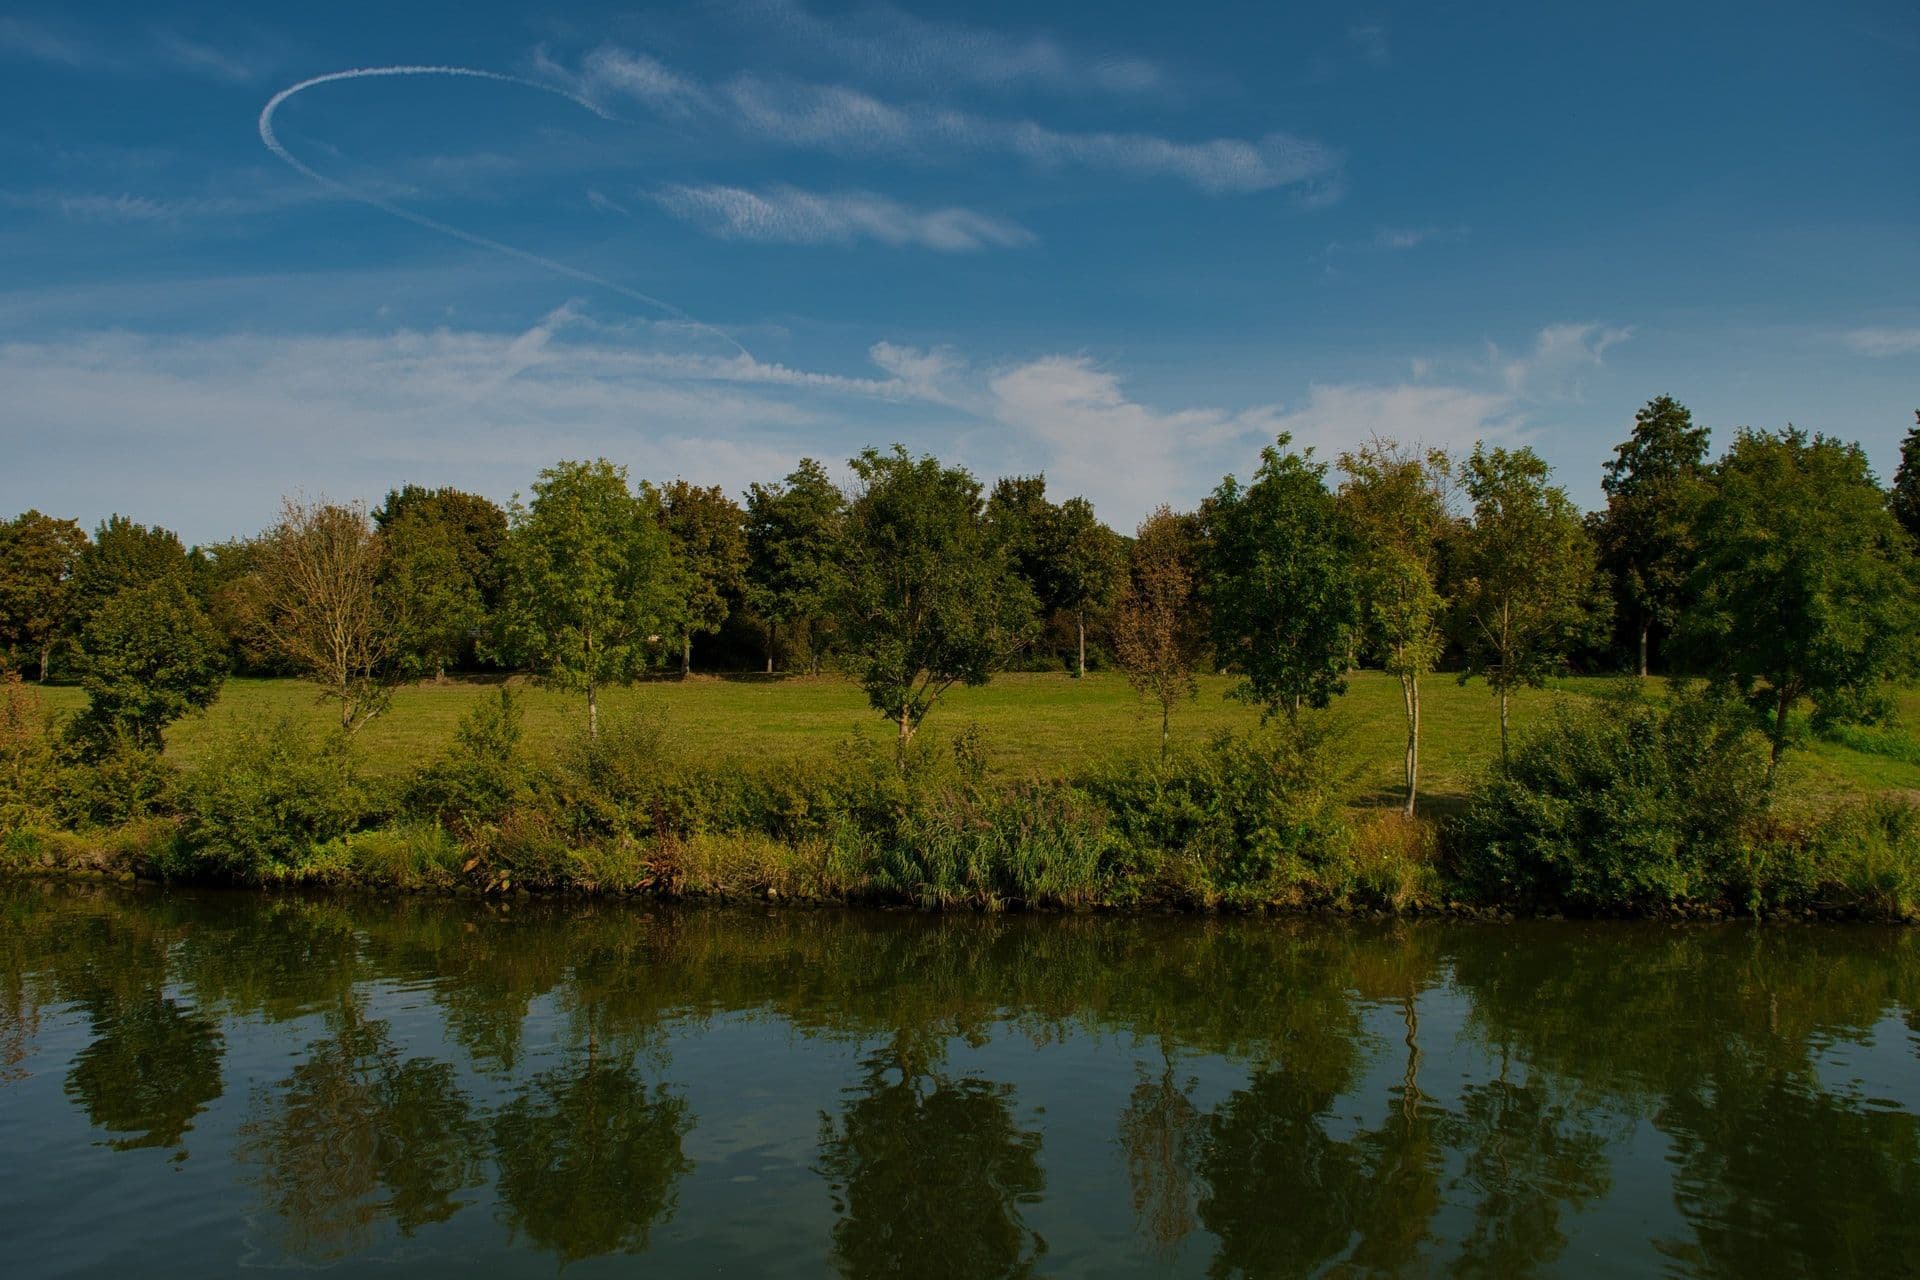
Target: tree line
point(1781, 569)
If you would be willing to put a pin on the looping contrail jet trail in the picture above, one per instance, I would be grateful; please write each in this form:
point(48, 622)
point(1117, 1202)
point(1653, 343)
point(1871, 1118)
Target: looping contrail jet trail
point(279, 149)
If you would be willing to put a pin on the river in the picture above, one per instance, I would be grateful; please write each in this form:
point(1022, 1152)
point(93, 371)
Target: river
point(192, 1082)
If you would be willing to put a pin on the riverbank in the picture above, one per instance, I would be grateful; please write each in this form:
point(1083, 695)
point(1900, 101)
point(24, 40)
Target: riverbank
point(1626, 805)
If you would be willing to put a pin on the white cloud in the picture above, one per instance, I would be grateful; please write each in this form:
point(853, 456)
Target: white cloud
point(788, 215)
point(1883, 342)
point(882, 41)
point(1560, 353)
point(158, 49)
point(843, 119)
point(1340, 416)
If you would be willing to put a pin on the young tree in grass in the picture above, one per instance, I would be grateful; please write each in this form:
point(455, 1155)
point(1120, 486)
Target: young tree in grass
point(794, 532)
point(1904, 499)
point(589, 584)
point(1085, 562)
point(708, 532)
point(1806, 583)
point(1653, 485)
point(1281, 582)
point(147, 657)
point(1396, 502)
point(38, 557)
point(326, 613)
point(1527, 574)
point(440, 554)
point(929, 600)
point(1155, 628)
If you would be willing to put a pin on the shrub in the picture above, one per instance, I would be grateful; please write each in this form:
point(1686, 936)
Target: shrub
point(116, 778)
point(483, 775)
point(1246, 820)
point(260, 801)
point(1629, 804)
point(610, 785)
point(29, 772)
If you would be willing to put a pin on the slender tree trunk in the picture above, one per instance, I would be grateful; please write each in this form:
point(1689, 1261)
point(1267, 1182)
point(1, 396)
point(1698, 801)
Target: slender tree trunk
point(1166, 714)
point(1646, 625)
point(1410, 688)
point(593, 709)
point(346, 713)
point(1503, 723)
point(1782, 701)
point(770, 646)
point(1080, 617)
point(686, 655)
point(46, 653)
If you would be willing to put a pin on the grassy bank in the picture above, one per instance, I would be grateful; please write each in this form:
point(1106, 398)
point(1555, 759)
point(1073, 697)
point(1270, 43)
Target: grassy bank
point(1035, 792)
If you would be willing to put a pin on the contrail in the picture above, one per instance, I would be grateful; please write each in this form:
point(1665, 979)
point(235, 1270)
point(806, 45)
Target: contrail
point(279, 149)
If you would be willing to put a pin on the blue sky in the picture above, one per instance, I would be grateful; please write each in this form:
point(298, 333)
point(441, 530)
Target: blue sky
point(1125, 245)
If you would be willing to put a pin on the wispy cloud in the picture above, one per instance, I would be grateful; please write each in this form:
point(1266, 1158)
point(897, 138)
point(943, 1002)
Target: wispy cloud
point(1561, 354)
point(885, 43)
point(159, 49)
point(847, 120)
point(131, 207)
point(788, 215)
point(1883, 342)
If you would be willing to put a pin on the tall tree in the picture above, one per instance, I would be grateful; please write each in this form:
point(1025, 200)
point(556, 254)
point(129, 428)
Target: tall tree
point(1654, 486)
point(1281, 582)
point(588, 582)
point(38, 557)
point(1396, 501)
point(1085, 562)
point(1527, 590)
point(929, 600)
point(147, 657)
point(326, 612)
point(123, 554)
point(1904, 499)
point(794, 532)
point(1806, 582)
point(1155, 629)
point(440, 554)
point(708, 532)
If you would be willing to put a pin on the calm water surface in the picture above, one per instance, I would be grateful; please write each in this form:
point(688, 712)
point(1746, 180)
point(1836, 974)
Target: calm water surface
point(191, 1083)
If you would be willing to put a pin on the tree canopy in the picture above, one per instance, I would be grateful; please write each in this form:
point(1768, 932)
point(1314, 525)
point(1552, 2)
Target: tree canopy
point(1653, 483)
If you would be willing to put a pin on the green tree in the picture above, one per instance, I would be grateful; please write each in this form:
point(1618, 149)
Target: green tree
point(929, 599)
point(1395, 499)
point(1156, 635)
point(588, 581)
point(1281, 582)
point(123, 554)
point(708, 533)
point(794, 533)
point(1085, 561)
point(147, 657)
point(1904, 499)
point(440, 554)
point(1527, 573)
point(38, 557)
point(1653, 485)
point(1805, 583)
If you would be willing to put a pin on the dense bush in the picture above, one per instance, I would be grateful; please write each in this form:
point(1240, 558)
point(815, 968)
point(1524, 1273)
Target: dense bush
point(262, 801)
point(1626, 804)
point(115, 778)
point(1245, 820)
point(483, 776)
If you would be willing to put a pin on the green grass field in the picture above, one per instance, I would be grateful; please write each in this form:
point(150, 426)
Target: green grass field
point(1034, 724)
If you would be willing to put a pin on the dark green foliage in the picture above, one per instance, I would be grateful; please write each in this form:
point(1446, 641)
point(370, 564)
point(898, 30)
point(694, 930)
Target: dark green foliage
point(262, 799)
point(147, 657)
point(123, 554)
point(707, 531)
point(1654, 484)
point(1904, 498)
point(113, 780)
point(793, 574)
point(1805, 583)
point(1246, 820)
point(928, 602)
point(1281, 582)
point(38, 557)
point(1628, 805)
point(440, 556)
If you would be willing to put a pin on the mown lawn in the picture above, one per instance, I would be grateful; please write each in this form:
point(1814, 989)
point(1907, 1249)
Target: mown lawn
point(1033, 724)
